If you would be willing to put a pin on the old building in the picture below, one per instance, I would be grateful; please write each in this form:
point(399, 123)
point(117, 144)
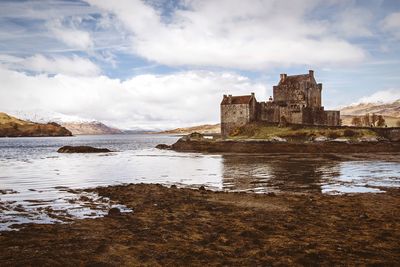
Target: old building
point(237, 111)
point(296, 99)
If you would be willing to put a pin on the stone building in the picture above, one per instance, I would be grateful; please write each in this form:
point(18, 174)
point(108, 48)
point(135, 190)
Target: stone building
point(296, 100)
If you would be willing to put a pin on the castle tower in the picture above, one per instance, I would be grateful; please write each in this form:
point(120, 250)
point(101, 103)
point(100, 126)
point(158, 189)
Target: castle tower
point(237, 111)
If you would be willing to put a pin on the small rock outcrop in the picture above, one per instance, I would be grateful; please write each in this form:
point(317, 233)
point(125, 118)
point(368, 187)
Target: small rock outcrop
point(82, 149)
point(193, 137)
point(277, 139)
point(114, 212)
point(163, 146)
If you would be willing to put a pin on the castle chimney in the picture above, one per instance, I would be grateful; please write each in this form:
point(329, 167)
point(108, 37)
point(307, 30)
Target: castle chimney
point(311, 73)
point(283, 76)
point(230, 99)
point(225, 96)
point(252, 94)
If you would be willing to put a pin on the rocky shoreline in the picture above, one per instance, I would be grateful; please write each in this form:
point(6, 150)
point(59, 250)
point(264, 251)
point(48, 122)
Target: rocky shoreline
point(261, 146)
point(173, 226)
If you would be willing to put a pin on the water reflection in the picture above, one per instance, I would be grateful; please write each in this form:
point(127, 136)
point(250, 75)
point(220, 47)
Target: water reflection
point(32, 172)
point(326, 173)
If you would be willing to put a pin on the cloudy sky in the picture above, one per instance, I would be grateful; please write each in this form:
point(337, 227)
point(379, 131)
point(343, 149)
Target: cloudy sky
point(162, 64)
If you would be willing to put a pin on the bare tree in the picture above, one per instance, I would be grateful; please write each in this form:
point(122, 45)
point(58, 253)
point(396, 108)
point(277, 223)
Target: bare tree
point(374, 119)
point(366, 121)
point(356, 121)
point(381, 121)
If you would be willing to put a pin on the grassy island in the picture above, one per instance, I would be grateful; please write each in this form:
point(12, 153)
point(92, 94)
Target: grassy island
point(301, 132)
point(258, 138)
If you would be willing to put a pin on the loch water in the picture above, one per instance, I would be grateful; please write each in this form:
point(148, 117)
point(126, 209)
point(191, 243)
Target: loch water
point(37, 183)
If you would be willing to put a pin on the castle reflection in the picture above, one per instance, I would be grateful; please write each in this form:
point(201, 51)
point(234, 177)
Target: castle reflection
point(289, 173)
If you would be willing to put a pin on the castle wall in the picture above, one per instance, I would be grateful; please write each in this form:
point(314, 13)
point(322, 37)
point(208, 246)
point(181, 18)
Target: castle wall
point(314, 116)
point(291, 115)
point(280, 95)
point(253, 116)
point(268, 112)
point(290, 94)
point(332, 117)
point(233, 116)
point(272, 113)
point(308, 116)
point(296, 117)
point(314, 96)
point(297, 99)
point(300, 94)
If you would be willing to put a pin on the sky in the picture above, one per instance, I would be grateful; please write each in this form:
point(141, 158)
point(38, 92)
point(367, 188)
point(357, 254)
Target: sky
point(152, 64)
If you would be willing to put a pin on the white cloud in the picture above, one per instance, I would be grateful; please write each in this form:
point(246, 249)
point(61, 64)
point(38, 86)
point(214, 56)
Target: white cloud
point(44, 9)
point(52, 65)
point(384, 96)
point(70, 36)
point(355, 22)
point(233, 34)
point(391, 24)
point(147, 101)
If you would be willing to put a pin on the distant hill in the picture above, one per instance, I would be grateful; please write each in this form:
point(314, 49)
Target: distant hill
point(204, 129)
point(13, 127)
point(389, 121)
point(5, 118)
point(390, 112)
point(385, 109)
point(90, 128)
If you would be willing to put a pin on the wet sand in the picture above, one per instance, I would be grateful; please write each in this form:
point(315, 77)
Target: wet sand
point(171, 226)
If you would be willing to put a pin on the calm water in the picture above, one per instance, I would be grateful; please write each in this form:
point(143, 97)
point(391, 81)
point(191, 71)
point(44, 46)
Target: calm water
point(36, 181)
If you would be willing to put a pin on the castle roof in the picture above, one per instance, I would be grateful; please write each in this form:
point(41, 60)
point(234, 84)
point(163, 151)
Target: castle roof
point(242, 99)
point(291, 79)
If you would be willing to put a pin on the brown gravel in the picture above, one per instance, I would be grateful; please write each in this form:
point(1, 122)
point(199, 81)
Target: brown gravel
point(184, 227)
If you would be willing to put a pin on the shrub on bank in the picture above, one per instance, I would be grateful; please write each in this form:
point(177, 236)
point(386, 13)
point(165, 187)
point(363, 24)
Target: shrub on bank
point(349, 133)
point(333, 135)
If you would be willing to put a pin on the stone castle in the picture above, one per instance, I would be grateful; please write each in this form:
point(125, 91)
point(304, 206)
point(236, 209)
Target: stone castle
point(296, 100)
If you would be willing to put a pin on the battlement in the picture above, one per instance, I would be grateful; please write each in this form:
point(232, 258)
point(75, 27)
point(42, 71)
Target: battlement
point(296, 99)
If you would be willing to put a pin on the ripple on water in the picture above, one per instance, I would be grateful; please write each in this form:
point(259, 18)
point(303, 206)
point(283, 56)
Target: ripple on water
point(34, 171)
point(66, 207)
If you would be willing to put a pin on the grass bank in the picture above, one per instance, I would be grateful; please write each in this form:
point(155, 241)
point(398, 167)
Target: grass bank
point(299, 132)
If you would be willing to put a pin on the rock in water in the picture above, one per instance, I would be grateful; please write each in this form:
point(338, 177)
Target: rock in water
point(163, 146)
point(114, 212)
point(82, 149)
